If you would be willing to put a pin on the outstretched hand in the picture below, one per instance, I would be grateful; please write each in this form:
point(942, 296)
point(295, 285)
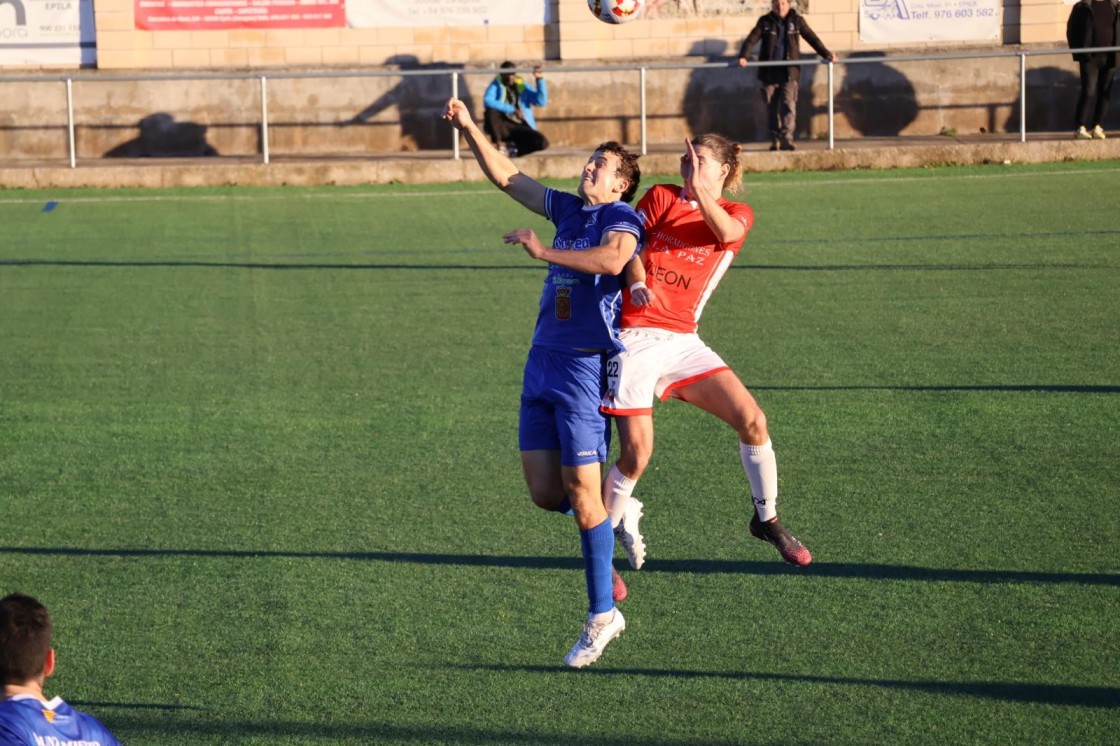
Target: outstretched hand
point(457, 113)
point(528, 240)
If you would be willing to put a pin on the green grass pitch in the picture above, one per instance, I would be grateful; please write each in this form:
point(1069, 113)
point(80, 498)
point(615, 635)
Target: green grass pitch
point(258, 456)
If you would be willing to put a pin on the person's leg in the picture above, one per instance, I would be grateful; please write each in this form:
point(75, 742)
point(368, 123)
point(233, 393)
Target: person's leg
point(773, 115)
point(724, 395)
point(1089, 74)
point(631, 382)
point(526, 139)
point(636, 446)
point(584, 435)
point(1104, 92)
point(497, 126)
point(787, 112)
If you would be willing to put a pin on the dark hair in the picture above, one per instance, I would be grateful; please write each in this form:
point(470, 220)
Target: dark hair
point(25, 638)
point(727, 152)
point(507, 64)
point(628, 167)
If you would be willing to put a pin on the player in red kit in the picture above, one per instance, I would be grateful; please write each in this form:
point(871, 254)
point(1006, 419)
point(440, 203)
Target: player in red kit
point(693, 235)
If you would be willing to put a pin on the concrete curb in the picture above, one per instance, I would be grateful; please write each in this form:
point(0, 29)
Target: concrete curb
point(440, 167)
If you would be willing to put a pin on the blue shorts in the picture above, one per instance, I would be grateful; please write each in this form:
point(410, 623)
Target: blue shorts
point(560, 397)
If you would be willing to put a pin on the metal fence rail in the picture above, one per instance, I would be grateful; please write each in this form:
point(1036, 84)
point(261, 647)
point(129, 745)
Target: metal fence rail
point(454, 75)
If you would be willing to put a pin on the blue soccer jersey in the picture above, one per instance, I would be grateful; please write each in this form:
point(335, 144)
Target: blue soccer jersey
point(27, 720)
point(578, 310)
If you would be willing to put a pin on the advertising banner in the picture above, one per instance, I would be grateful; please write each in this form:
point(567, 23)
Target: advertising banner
point(884, 21)
point(413, 13)
point(173, 15)
point(47, 32)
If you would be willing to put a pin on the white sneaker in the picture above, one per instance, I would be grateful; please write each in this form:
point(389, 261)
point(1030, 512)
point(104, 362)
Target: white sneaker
point(1098, 133)
point(627, 534)
point(1082, 134)
point(594, 639)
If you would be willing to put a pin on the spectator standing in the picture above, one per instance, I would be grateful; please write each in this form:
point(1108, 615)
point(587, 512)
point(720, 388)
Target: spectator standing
point(780, 32)
point(1094, 23)
point(26, 660)
point(509, 120)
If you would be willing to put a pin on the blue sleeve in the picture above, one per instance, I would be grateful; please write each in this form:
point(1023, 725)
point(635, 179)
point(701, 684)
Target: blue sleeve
point(624, 218)
point(492, 99)
point(535, 96)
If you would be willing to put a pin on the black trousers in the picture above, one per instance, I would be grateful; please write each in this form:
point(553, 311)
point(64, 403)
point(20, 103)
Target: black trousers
point(1096, 84)
point(503, 130)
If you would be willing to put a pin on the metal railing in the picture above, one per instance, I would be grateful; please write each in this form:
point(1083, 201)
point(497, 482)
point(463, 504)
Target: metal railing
point(456, 73)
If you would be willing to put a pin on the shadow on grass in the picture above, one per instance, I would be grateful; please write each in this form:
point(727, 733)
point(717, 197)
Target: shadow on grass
point(133, 705)
point(140, 729)
point(726, 567)
point(1045, 694)
point(1026, 387)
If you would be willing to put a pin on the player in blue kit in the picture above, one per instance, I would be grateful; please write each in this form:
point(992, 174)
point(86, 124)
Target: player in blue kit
point(562, 435)
point(26, 660)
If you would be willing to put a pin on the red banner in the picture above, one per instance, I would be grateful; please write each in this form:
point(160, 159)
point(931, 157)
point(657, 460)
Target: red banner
point(173, 15)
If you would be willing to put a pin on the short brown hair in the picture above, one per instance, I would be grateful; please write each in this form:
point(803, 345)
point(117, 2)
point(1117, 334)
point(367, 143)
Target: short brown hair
point(628, 167)
point(727, 152)
point(25, 638)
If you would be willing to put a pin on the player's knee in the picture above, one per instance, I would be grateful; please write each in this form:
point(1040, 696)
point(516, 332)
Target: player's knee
point(752, 426)
point(546, 499)
point(633, 460)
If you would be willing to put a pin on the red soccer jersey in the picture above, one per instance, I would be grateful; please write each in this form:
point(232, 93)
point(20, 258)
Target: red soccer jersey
point(683, 260)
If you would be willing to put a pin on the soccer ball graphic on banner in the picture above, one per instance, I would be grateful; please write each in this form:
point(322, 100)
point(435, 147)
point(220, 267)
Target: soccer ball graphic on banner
point(616, 11)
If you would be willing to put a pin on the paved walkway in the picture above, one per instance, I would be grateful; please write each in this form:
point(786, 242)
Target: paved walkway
point(440, 166)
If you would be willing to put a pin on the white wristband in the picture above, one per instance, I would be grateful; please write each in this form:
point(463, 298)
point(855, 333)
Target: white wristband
point(639, 285)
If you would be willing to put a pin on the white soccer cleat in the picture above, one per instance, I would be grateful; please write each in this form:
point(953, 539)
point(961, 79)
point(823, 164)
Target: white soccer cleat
point(594, 639)
point(627, 534)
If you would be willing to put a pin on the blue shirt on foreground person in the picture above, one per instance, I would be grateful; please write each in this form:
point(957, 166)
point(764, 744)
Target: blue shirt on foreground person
point(27, 717)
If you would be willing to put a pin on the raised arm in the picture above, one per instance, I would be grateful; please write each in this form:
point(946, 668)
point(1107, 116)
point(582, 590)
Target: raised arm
point(726, 228)
point(815, 42)
point(498, 168)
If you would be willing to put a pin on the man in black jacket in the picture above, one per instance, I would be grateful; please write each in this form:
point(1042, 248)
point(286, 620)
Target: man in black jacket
point(780, 32)
point(1094, 23)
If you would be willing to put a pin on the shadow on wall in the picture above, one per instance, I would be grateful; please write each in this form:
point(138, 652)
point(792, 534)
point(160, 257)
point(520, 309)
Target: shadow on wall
point(723, 101)
point(162, 137)
point(1051, 98)
point(876, 99)
point(419, 100)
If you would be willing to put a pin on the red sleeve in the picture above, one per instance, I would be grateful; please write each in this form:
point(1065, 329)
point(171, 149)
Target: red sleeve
point(655, 203)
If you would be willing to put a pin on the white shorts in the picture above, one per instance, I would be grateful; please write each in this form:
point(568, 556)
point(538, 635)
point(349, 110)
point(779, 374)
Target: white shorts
point(656, 363)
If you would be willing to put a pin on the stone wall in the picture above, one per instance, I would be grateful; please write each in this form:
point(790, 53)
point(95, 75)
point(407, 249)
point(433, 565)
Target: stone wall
point(368, 113)
point(675, 29)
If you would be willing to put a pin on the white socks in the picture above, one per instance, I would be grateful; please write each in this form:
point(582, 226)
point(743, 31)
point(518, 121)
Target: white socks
point(762, 472)
point(617, 490)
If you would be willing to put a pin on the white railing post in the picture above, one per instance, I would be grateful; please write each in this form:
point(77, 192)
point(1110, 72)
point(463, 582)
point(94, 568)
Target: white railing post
point(1022, 97)
point(831, 110)
point(70, 121)
point(455, 132)
point(642, 94)
point(264, 118)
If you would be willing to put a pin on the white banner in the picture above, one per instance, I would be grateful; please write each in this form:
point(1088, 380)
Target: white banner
point(928, 20)
point(413, 13)
point(47, 32)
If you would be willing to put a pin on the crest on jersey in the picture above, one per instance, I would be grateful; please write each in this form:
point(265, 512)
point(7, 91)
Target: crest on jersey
point(49, 715)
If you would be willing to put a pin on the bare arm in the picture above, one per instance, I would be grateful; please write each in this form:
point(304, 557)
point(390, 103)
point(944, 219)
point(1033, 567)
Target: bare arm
point(609, 258)
point(726, 228)
point(499, 169)
point(634, 277)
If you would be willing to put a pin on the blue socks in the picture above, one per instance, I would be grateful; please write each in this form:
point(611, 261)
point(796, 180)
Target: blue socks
point(598, 553)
